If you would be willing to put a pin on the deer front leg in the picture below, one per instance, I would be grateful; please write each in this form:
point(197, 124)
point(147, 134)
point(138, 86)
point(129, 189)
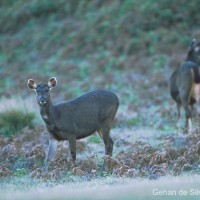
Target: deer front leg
point(72, 146)
point(51, 152)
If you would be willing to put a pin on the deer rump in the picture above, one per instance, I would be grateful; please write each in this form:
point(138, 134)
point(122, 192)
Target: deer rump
point(195, 74)
point(185, 81)
point(195, 94)
point(196, 71)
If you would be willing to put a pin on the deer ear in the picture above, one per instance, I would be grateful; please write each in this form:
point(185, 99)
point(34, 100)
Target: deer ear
point(52, 82)
point(31, 84)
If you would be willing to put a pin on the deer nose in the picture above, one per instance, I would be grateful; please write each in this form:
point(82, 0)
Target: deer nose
point(42, 100)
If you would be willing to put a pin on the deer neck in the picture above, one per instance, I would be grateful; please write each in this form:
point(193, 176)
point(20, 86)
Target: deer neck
point(191, 57)
point(46, 112)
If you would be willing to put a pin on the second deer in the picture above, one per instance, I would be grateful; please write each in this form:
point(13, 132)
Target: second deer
point(185, 85)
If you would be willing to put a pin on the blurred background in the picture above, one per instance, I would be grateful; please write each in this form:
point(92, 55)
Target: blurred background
point(127, 46)
point(130, 47)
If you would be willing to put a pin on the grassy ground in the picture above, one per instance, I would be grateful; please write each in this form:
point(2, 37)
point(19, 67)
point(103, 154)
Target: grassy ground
point(143, 160)
point(182, 187)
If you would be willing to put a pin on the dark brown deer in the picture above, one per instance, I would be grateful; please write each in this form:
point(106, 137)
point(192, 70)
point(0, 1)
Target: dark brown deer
point(76, 119)
point(185, 85)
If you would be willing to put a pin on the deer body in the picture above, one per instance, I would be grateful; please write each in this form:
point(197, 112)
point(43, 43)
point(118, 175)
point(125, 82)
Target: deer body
point(185, 84)
point(78, 118)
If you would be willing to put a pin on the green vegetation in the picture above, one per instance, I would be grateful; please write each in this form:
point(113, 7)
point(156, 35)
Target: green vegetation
point(20, 172)
point(12, 121)
point(95, 139)
point(81, 41)
point(134, 121)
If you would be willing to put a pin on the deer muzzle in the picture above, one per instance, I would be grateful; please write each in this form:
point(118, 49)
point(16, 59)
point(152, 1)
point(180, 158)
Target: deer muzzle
point(42, 101)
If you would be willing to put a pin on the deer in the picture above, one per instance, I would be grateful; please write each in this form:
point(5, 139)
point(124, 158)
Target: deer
point(185, 85)
point(75, 119)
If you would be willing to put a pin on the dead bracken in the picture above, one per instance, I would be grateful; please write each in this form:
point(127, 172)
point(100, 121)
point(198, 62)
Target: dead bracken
point(139, 160)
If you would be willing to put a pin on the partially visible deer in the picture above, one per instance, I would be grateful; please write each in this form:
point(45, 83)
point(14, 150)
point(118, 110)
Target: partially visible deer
point(79, 118)
point(185, 85)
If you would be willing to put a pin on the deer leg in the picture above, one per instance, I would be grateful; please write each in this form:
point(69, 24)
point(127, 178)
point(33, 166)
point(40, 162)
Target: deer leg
point(109, 146)
point(178, 117)
point(51, 152)
point(188, 117)
point(108, 142)
point(72, 146)
point(192, 109)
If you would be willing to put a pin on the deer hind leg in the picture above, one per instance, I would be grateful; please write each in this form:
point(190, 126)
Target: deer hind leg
point(178, 125)
point(188, 116)
point(186, 96)
point(104, 132)
point(108, 142)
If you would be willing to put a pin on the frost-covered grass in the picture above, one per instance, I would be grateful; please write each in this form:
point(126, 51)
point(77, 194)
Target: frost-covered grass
point(180, 187)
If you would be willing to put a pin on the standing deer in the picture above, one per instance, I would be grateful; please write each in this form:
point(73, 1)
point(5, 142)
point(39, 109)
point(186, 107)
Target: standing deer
point(75, 119)
point(185, 85)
